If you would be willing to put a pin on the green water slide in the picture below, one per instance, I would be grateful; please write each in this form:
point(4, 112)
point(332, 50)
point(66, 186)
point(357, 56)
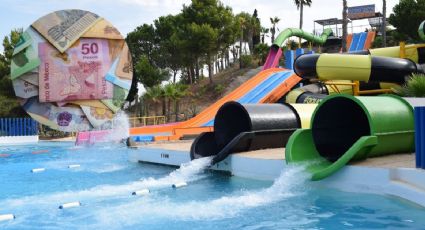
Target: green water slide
point(276, 51)
point(346, 128)
point(289, 32)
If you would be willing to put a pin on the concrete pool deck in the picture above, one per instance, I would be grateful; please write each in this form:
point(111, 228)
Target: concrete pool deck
point(393, 175)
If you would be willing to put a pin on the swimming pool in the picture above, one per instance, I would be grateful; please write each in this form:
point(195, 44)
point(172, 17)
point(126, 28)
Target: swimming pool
point(106, 178)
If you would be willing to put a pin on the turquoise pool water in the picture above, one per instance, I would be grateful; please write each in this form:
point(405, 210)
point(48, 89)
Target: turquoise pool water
point(105, 180)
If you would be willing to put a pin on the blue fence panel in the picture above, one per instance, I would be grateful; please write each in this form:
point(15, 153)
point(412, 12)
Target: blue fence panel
point(289, 59)
point(299, 52)
point(420, 136)
point(18, 127)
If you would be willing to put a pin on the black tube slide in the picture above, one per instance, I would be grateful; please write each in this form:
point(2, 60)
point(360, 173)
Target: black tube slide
point(316, 92)
point(239, 128)
point(309, 94)
point(355, 67)
point(310, 98)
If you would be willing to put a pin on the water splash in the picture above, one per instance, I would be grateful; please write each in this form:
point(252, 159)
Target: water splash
point(120, 127)
point(284, 187)
point(188, 172)
point(113, 131)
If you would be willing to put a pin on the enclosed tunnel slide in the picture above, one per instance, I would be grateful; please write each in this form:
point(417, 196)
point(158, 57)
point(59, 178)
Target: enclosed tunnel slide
point(346, 128)
point(355, 67)
point(414, 52)
point(245, 127)
point(373, 72)
point(266, 87)
point(375, 69)
point(276, 51)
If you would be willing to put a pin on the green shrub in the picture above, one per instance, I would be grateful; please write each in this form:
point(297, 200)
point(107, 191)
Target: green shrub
point(414, 87)
point(246, 61)
point(219, 88)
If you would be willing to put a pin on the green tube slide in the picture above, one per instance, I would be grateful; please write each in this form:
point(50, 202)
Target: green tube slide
point(289, 32)
point(346, 128)
point(421, 30)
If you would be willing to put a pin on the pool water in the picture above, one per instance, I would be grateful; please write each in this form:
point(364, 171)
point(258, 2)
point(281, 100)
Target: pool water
point(106, 178)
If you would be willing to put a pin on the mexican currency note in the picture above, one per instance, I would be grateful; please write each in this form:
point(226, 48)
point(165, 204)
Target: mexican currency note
point(24, 89)
point(111, 77)
point(97, 116)
point(32, 105)
point(69, 119)
point(91, 103)
point(25, 58)
point(102, 29)
point(63, 28)
point(77, 74)
point(125, 66)
point(31, 77)
point(120, 94)
point(115, 48)
point(25, 40)
point(23, 62)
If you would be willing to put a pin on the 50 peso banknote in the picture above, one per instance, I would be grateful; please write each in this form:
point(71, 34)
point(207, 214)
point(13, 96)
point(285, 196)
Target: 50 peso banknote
point(77, 74)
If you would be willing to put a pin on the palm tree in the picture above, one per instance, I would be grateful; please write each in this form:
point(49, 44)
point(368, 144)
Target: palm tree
point(169, 93)
point(384, 22)
point(274, 22)
point(344, 25)
point(300, 5)
point(181, 91)
point(153, 95)
point(242, 23)
point(174, 93)
point(264, 32)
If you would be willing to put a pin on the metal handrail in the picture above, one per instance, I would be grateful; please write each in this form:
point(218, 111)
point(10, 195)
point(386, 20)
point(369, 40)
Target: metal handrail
point(149, 120)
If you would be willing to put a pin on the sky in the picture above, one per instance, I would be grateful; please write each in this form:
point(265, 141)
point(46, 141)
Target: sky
point(126, 15)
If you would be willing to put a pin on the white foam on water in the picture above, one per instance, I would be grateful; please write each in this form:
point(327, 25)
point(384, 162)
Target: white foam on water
point(186, 173)
point(107, 168)
point(130, 213)
point(120, 127)
point(189, 172)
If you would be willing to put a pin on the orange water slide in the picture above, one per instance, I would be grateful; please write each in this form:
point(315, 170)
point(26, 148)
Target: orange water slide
point(282, 89)
point(369, 40)
point(349, 40)
point(273, 96)
point(192, 125)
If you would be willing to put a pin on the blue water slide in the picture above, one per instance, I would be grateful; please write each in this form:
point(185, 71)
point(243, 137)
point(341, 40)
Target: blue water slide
point(272, 82)
point(354, 42)
point(261, 90)
point(362, 40)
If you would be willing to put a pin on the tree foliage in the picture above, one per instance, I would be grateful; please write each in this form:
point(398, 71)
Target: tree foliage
point(407, 16)
point(148, 74)
point(203, 33)
point(300, 5)
point(9, 43)
point(9, 105)
point(274, 22)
